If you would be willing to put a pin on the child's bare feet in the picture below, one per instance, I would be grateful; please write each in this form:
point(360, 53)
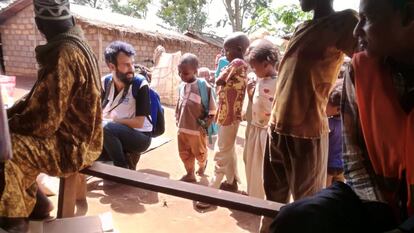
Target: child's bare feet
point(201, 170)
point(190, 177)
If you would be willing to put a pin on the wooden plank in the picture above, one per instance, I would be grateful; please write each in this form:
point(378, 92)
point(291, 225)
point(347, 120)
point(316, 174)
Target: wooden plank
point(185, 190)
point(81, 188)
point(67, 196)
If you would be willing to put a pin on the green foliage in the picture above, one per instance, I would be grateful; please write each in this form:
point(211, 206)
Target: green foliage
point(240, 10)
point(184, 14)
point(252, 7)
point(99, 4)
point(133, 8)
point(281, 21)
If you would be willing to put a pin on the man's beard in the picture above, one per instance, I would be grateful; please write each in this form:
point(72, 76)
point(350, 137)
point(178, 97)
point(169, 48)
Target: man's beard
point(123, 77)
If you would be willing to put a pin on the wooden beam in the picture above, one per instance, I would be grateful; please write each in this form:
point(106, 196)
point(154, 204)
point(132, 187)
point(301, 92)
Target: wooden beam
point(185, 190)
point(67, 196)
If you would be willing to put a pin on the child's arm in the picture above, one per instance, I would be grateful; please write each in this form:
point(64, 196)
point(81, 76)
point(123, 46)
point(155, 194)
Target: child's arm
point(251, 85)
point(176, 111)
point(224, 75)
point(221, 80)
point(212, 107)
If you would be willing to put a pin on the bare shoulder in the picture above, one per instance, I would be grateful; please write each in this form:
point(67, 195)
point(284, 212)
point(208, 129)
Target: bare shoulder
point(348, 14)
point(238, 62)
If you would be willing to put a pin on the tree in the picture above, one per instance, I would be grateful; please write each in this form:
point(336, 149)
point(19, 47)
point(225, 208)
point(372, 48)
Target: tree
point(184, 14)
point(239, 10)
point(99, 4)
point(281, 21)
point(133, 8)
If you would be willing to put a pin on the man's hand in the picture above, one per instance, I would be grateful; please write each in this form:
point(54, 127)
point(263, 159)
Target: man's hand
point(136, 122)
point(209, 120)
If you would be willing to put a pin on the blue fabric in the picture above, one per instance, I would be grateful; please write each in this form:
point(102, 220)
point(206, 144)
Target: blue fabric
point(336, 209)
point(157, 110)
point(202, 87)
point(222, 62)
point(335, 143)
point(155, 104)
point(136, 84)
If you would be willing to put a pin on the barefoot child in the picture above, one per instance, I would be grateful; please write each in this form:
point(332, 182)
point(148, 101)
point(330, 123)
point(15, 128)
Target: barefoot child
point(231, 90)
point(192, 118)
point(262, 56)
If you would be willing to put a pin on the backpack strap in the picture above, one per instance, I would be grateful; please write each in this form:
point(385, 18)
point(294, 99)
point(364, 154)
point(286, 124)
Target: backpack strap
point(202, 87)
point(136, 84)
point(107, 85)
point(181, 89)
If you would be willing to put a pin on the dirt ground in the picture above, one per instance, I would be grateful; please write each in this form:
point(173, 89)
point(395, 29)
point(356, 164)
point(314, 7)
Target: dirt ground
point(137, 210)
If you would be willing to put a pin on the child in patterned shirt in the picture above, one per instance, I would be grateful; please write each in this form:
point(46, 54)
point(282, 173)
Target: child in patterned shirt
point(231, 85)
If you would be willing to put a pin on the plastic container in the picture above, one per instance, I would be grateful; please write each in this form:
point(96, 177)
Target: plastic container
point(7, 84)
point(5, 143)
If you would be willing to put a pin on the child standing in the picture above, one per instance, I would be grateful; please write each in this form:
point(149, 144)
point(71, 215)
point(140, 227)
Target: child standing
point(263, 58)
point(192, 118)
point(231, 90)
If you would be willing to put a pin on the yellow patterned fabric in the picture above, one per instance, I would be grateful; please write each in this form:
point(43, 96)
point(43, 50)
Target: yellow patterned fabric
point(231, 93)
point(56, 128)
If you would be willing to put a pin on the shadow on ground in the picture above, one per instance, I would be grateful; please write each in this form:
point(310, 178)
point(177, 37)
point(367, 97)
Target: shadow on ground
point(249, 222)
point(246, 221)
point(123, 198)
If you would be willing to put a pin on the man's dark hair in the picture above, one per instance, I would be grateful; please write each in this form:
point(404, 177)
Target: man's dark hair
point(114, 48)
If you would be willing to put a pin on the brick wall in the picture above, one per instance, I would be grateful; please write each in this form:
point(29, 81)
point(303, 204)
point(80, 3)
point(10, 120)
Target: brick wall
point(145, 46)
point(20, 37)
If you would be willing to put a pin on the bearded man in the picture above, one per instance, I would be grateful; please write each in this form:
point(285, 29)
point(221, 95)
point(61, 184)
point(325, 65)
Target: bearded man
point(126, 107)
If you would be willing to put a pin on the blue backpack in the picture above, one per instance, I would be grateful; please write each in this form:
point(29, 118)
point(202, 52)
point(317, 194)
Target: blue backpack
point(157, 111)
point(202, 87)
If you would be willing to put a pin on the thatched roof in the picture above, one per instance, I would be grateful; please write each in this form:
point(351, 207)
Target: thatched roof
point(108, 20)
point(5, 3)
point(10, 8)
point(123, 23)
point(206, 37)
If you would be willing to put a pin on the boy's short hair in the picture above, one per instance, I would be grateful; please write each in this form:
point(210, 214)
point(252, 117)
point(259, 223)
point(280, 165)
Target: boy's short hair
point(237, 39)
point(190, 59)
point(114, 48)
point(336, 93)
